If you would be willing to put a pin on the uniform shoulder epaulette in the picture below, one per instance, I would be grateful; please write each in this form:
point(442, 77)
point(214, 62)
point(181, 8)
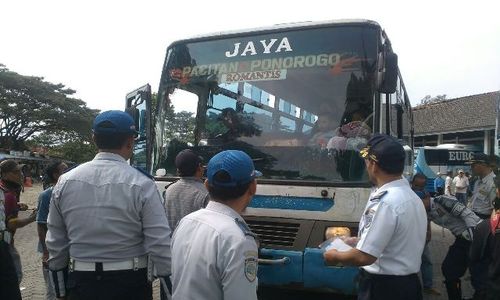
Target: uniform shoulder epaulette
point(244, 227)
point(143, 172)
point(378, 196)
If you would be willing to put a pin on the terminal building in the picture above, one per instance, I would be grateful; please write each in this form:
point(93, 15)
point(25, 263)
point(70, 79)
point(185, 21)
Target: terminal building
point(470, 120)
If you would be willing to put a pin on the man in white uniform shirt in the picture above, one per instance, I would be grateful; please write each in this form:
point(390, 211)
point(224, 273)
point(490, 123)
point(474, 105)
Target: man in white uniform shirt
point(484, 192)
point(214, 252)
point(392, 229)
point(105, 219)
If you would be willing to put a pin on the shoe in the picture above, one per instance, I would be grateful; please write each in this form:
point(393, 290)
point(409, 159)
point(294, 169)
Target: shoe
point(432, 291)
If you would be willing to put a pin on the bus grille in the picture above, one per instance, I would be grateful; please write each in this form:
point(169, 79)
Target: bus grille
point(274, 233)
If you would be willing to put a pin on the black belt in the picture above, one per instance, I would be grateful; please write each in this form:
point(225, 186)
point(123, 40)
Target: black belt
point(383, 276)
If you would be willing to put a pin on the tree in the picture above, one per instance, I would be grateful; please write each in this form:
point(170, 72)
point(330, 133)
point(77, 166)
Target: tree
point(429, 99)
point(30, 106)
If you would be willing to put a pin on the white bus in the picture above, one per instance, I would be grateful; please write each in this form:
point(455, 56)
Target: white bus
point(430, 160)
point(301, 99)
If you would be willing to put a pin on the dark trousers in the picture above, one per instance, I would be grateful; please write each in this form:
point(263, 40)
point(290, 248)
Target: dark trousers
point(454, 266)
point(383, 287)
point(9, 286)
point(109, 285)
point(457, 260)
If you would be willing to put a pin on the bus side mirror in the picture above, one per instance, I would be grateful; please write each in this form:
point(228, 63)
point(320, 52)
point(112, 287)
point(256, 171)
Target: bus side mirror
point(390, 74)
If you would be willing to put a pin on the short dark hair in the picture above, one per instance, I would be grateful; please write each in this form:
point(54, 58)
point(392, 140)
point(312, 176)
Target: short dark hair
point(226, 193)
point(8, 165)
point(395, 169)
point(417, 176)
point(52, 169)
point(111, 141)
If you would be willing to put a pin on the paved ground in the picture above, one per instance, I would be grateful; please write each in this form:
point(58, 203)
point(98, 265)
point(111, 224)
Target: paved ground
point(33, 286)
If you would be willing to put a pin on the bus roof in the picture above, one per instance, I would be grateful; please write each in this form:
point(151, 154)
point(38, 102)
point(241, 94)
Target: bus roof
point(452, 147)
point(278, 27)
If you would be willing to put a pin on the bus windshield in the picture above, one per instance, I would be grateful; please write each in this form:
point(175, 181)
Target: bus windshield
point(299, 102)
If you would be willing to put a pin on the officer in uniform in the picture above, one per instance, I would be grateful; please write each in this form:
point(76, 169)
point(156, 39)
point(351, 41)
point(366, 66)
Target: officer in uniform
point(215, 253)
point(9, 287)
point(105, 218)
point(449, 213)
point(484, 191)
point(392, 229)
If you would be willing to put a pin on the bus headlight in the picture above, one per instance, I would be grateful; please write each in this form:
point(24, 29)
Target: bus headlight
point(333, 232)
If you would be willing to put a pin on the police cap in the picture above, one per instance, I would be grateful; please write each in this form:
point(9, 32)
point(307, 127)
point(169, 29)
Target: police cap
point(479, 158)
point(114, 121)
point(386, 151)
point(237, 165)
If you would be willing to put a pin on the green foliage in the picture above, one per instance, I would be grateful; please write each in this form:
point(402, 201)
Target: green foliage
point(179, 125)
point(33, 108)
point(429, 99)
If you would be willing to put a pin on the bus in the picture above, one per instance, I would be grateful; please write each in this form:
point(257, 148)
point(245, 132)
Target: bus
point(429, 160)
point(301, 99)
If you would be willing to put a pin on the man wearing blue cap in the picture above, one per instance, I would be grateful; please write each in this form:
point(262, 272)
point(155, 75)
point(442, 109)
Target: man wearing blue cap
point(214, 251)
point(105, 218)
point(392, 229)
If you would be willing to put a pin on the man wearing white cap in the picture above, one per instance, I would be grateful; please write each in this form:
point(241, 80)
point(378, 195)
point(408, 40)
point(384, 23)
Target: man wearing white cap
point(461, 183)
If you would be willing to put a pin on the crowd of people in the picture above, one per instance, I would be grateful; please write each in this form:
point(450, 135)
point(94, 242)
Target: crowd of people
point(105, 231)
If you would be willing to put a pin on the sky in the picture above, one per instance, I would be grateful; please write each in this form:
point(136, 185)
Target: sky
point(104, 49)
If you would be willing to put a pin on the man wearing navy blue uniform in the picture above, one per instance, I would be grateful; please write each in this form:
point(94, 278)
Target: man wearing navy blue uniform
point(392, 229)
point(105, 219)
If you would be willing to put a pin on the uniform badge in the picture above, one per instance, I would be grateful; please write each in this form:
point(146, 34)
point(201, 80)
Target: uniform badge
point(369, 217)
point(251, 268)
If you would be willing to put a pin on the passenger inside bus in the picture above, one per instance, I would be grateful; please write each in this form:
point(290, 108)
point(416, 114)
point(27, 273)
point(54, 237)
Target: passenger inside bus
point(236, 125)
point(324, 129)
point(352, 135)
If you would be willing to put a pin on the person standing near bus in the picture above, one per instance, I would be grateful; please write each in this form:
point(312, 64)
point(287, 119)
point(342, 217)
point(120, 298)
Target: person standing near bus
point(485, 254)
point(105, 219)
point(9, 289)
point(11, 179)
point(392, 229)
point(461, 183)
point(484, 191)
point(448, 183)
point(439, 184)
point(187, 194)
point(418, 186)
point(451, 214)
point(215, 252)
point(53, 172)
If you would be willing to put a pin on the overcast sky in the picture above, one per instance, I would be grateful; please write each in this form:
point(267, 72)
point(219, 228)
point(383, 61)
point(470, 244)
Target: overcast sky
point(104, 49)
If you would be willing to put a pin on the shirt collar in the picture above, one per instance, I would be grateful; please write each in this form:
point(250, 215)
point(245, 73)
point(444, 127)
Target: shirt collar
point(192, 178)
point(109, 156)
point(223, 209)
point(394, 183)
point(488, 177)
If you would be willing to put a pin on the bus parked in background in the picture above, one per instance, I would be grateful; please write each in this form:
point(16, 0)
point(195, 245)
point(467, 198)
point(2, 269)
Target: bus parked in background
point(430, 160)
point(302, 100)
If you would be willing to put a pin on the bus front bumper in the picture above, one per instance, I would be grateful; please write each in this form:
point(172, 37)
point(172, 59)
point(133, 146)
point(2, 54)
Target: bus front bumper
point(305, 270)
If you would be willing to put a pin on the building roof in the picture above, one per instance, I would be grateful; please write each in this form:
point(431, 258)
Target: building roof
point(476, 112)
